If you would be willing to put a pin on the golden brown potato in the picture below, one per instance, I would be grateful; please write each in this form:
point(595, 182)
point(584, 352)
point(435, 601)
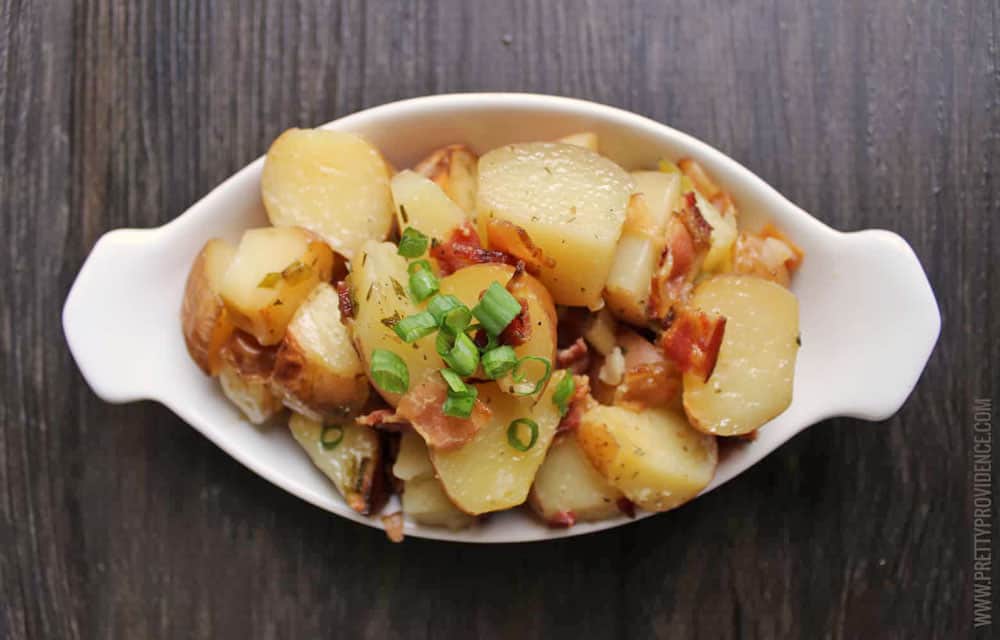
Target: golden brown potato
point(585, 139)
point(273, 271)
point(723, 238)
point(421, 204)
point(317, 372)
point(424, 499)
point(569, 200)
point(350, 455)
point(204, 320)
point(753, 376)
point(454, 169)
point(331, 182)
point(654, 457)
point(569, 489)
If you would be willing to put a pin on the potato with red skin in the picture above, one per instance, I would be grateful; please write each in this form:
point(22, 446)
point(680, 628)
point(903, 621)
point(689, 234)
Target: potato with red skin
point(204, 321)
point(245, 376)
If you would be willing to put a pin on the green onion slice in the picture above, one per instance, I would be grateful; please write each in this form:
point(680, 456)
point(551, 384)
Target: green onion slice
point(458, 406)
point(496, 309)
point(463, 357)
point(270, 280)
point(514, 438)
point(419, 265)
point(456, 386)
point(498, 361)
point(440, 305)
point(456, 320)
point(331, 436)
point(412, 328)
point(522, 386)
point(444, 343)
point(412, 244)
point(423, 284)
point(389, 372)
point(564, 391)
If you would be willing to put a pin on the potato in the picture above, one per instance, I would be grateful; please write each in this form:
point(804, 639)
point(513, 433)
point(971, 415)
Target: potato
point(454, 169)
point(331, 182)
point(379, 281)
point(654, 457)
point(413, 462)
point(585, 139)
point(636, 257)
point(425, 501)
point(487, 473)
point(661, 192)
point(600, 332)
point(753, 376)
point(204, 320)
point(273, 271)
point(317, 372)
point(354, 465)
point(252, 397)
point(723, 239)
point(568, 486)
point(569, 200)
point(421, 204)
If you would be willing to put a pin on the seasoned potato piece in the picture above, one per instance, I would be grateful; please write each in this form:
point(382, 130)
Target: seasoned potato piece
point(454, 169)
point(600, 332)
point(331, 182)
point(425, 501)
point(585, 139)
point(660, 191)
point(752, 379)
point(250, 395)
point(317, 371)
point(349, 455)
point(654, 457)
point(204, 321)
point(569, 200)
point(723, 239)
point(637, 255)
point(488, 474)
point(379, 281)
point(413, 462)
point(421, 204)
point(273, 271)
point(568, 488)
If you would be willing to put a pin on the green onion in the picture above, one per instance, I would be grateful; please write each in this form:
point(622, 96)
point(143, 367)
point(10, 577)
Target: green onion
point(423, 284)
point(563, 393)
point(418, 265)
point(499, 361)
point(389, 372)
point(455, 383)
point(521, 386)
point(463, 357)
point(514, 439)
point(412, 243)
point(444, 343)
point(496, 309)
point(295, 273)
point(459, 406)
point(331, 436)
point(270, 280)
point(440, 305)
point(412, 328)
point(456, 320)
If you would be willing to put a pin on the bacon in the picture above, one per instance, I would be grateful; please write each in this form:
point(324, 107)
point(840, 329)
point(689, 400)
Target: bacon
point(345, 299)
point(626, 506)
point(688, 238)
point(519, 330)
point(382, 419)
point(463, 249)
point(693, 339)
point(771, 231)
point(577, 405)
point(574, 357)
point(514, 240)
point(564, 519)
point(649, 385)
point(422, 408)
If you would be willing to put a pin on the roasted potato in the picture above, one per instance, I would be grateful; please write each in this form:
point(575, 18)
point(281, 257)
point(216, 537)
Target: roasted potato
point(424, 500)
point(636, 256)
point(317, 372)
point(585, 139)
point(488, 473)
point(421, 204)
point(568, 488)
point(331, 182)
point(454, 169)
point(379, 282)
point(570, 201)
point(204, 320)
point(752, 379)
point(273, 271)
point(350, 455)
point(654, 457)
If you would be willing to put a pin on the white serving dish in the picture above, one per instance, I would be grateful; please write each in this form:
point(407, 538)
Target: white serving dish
point(869, 319)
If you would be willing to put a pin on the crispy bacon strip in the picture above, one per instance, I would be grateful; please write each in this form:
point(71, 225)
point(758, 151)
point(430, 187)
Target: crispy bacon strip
point(626, 506)
point(693, 339)
point(345, 300)
point(514, 240)
point(519, 329)
point(771, 231)
point(577, 405)
point(383, 420)
point(421, 407)
point(463, 249)
point(649, 385)
point(575, 357)
point(688, 238)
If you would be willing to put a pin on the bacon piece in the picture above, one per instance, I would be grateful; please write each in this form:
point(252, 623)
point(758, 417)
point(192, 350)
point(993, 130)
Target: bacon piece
point(626, 506)
point(393, 524)
point(577, 405)
point(345, 299)
point(692, 340)
point(649, 385)
point(519, 330)
point(514, 240)
point(699, 178)
point(574, 357)
point(688, 239)
point(562, 519)
point(771, 231)
point(383, 420)
point(421, 406)
point(463, 249)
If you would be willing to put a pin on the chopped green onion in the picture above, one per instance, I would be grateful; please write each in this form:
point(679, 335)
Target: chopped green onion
point(419, 265)
point(412, 328)
point(423, 284)
point(514, 439)
point(270, 280)
point(521, 386)
point(463, 356)
point(296, 272)
point(412, 243)
point(389, 372)
point(444, 343)
point(460, 406)
point(457, 320)
point(440, 305)
point(563, 393)
point(496, 309)
point(455, 383)
point(331, 436)
point(498, 361)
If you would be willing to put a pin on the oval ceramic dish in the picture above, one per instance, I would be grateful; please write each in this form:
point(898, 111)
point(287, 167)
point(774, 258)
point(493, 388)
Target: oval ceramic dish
point(869, 319)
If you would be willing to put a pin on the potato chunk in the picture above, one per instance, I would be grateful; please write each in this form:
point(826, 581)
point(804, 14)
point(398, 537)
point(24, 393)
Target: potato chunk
point(488, 474)
point(454, 169)
point(569, 200)
point(568, 488)
point(421, 204)
point(317, 372)
point(660, 191)
point(412, 462)
point(354, 464)
point(379, 282)
point(252, 396)
point(638, 253)
point(331, 182)
point(753, 376)
point(654, 457)
point(424, 499)
point(273, 271)
point(204, 320)
point(585, 139)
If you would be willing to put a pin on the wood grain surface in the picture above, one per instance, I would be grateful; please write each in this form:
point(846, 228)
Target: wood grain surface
point(122, 522)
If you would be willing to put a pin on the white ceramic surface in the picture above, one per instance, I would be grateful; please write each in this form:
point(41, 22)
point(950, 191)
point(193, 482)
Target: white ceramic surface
point(869, 319)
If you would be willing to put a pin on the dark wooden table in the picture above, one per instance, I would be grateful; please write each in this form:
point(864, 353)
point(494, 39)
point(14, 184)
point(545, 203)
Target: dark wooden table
point(122, 522)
